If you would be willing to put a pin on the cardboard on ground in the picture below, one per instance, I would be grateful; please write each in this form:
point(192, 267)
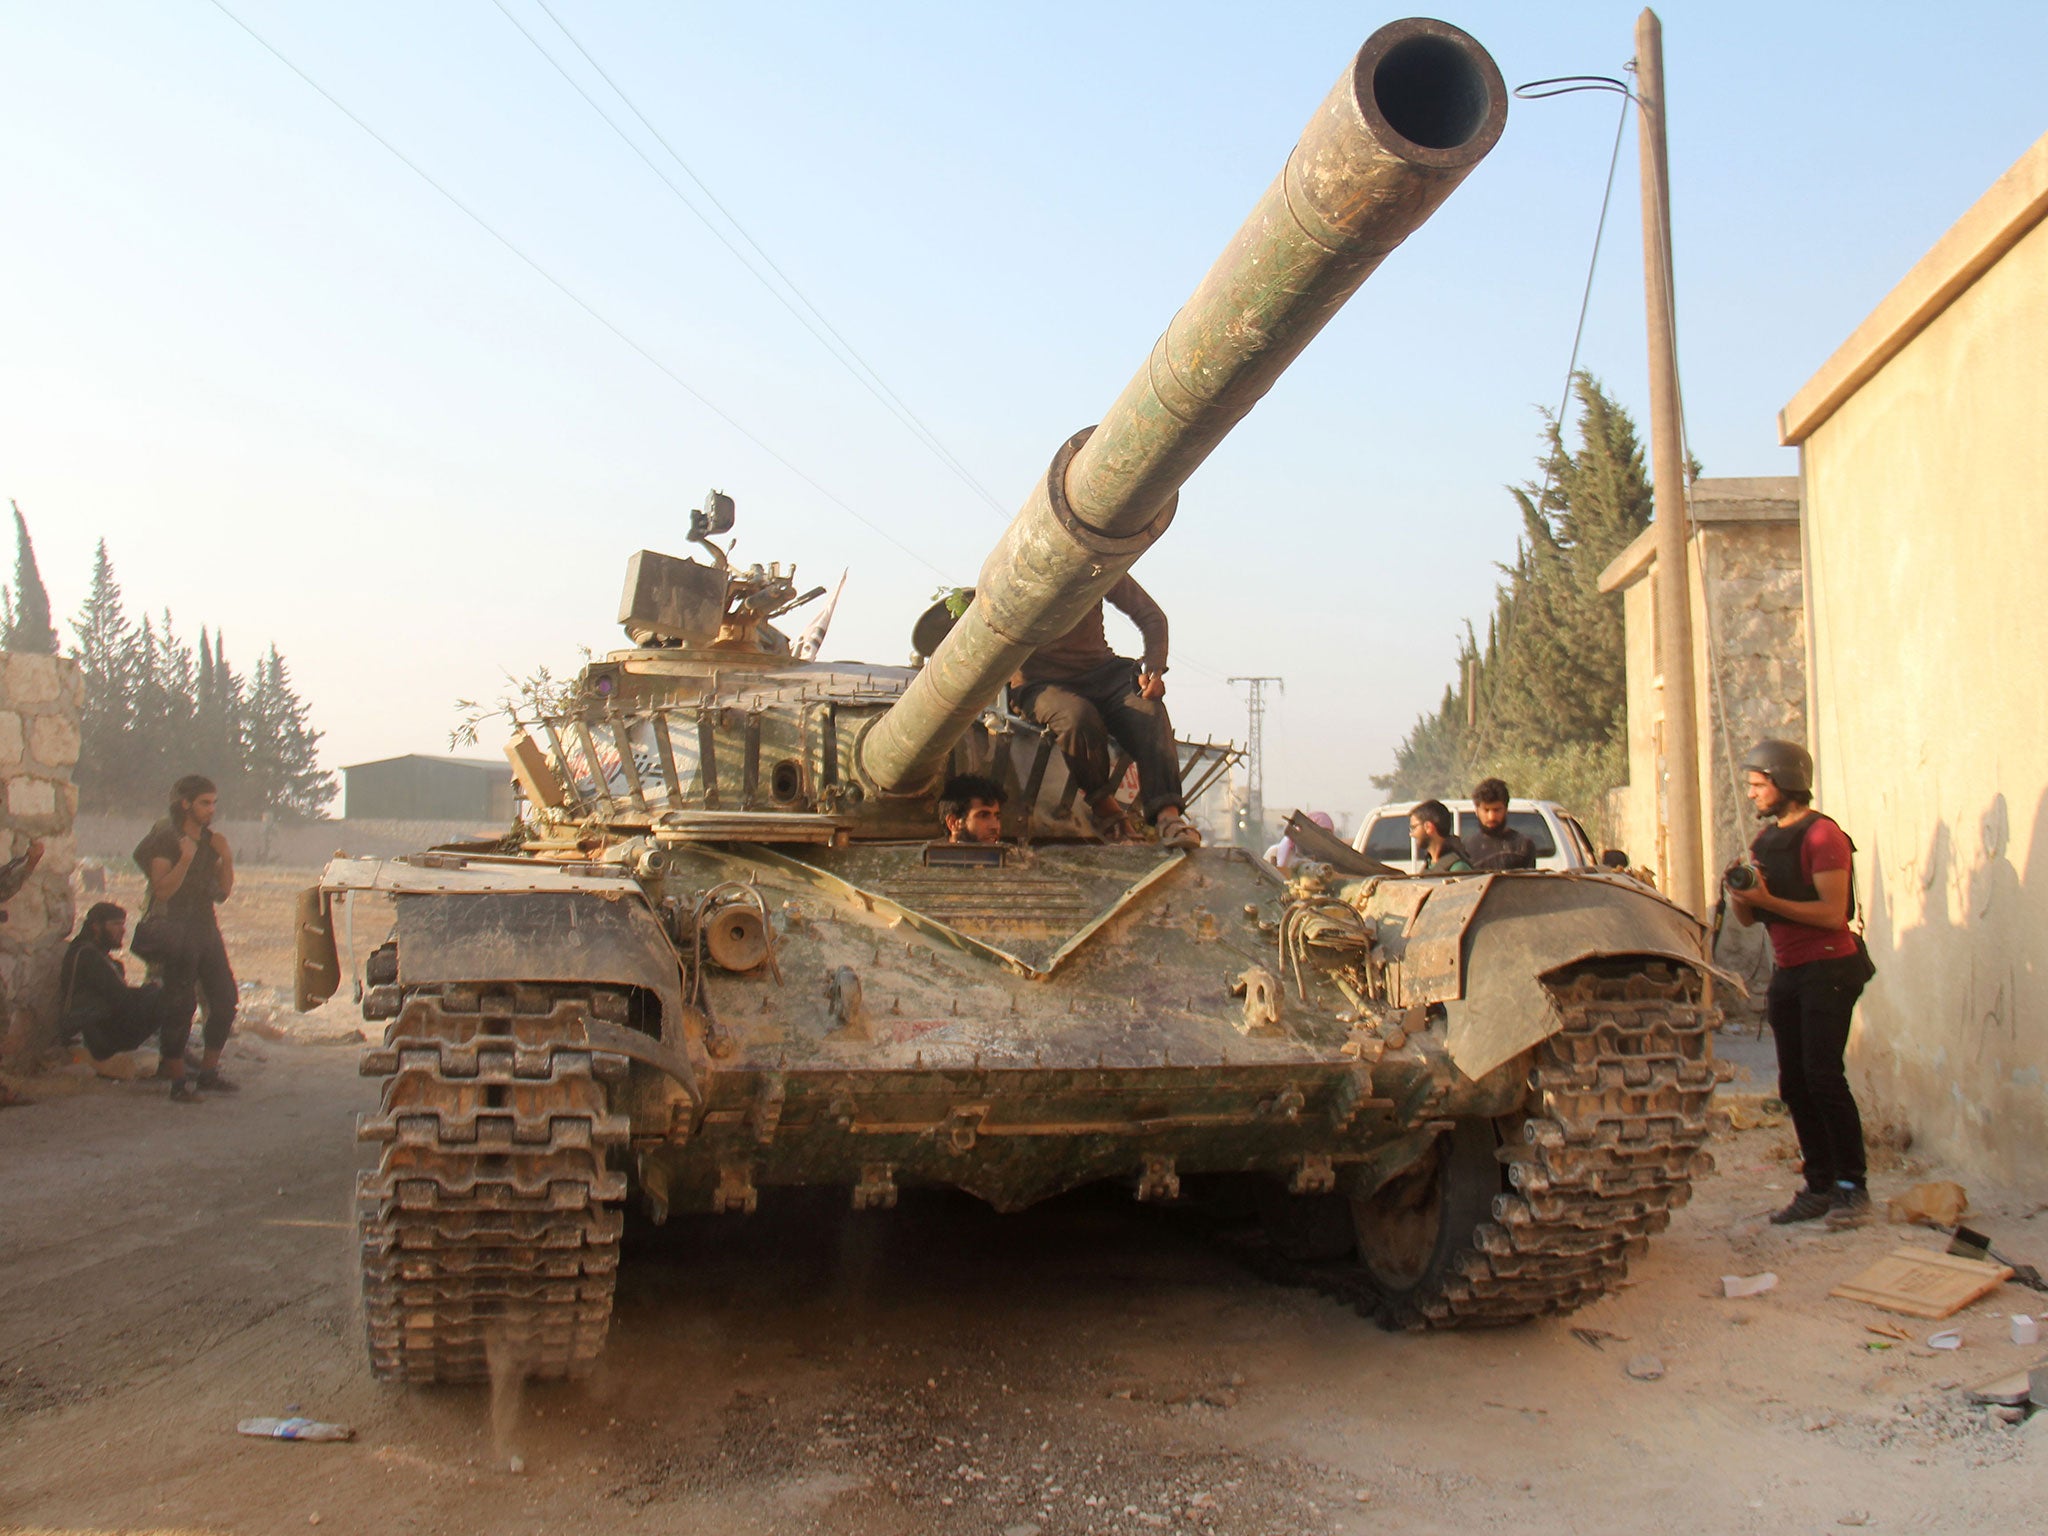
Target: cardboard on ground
point(1923, 1283)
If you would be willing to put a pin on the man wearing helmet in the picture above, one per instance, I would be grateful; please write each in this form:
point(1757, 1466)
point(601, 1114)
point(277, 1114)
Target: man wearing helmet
point(1803, 891)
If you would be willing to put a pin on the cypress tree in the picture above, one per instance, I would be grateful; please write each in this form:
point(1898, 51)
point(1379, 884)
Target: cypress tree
point(284, 759)
point(28, 611)
point(1548, 692)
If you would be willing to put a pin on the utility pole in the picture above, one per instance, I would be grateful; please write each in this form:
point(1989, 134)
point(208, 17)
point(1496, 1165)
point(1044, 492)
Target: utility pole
point(1684, 878)
point(1254, 826)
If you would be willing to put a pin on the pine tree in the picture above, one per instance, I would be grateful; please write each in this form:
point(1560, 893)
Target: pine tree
point(1564, 679)
point(28, 609)
point(106, 652)
point(232, 742)
point(156, 709)
point(165, 740)
point(217, 720)
point(284, 761)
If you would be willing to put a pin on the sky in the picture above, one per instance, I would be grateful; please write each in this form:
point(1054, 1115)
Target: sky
point(308, 399)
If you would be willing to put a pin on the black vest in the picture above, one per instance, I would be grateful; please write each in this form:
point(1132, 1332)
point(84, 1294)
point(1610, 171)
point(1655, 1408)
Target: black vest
point(1776, 851)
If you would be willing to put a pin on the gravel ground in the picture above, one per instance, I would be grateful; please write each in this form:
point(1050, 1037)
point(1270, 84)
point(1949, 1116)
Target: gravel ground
point(1090, 1366)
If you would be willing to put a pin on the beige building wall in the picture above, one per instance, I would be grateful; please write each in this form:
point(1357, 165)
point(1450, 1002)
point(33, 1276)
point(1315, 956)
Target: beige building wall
point(1924, 453)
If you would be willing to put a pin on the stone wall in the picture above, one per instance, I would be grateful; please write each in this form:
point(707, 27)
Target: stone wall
point(1749, 673)
point(39, 705)
point(1749, 630)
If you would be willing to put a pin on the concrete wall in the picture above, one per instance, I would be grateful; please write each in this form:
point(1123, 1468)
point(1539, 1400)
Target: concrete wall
point(1925, 461)
point(39, 704)
point(111, 840)
point(1749, 639)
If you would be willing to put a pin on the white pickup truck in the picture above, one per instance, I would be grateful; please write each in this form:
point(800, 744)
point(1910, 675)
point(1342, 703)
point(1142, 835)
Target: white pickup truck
point(1561, 843)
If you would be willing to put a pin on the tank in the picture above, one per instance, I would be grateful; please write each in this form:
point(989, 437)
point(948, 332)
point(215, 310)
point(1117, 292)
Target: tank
point(724, 954)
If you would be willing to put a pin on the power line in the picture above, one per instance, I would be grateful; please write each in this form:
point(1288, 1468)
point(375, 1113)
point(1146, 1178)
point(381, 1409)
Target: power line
point(583, 304)
point(575, 298)
point(864, 372)
point(809, 316)
point(1566, 85)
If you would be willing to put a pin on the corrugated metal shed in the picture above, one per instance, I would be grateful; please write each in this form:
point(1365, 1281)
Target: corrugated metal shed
point(421, 788)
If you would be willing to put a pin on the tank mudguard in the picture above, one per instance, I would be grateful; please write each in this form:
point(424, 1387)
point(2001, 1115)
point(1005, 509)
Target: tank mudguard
point(1484, 947)
point(467, 920)
point(532, 936)
point(316, 962)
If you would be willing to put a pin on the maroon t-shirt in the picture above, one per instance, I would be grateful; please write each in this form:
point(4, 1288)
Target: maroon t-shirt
point(1825, 846)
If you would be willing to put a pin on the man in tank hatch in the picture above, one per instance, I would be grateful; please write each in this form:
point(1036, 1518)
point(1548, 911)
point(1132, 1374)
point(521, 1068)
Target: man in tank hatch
point(972, 809)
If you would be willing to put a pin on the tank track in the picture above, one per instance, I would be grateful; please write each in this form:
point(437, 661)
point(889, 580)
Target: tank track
point(490, 1225)
point(1620, 1108)
point(1618, 1111)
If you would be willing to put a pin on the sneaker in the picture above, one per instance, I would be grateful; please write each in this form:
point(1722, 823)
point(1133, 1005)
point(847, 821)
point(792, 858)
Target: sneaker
point(214, 1082)
point(1176, 831)
point(182, 1091)
point(1808, 1205)
point(1851, 1208)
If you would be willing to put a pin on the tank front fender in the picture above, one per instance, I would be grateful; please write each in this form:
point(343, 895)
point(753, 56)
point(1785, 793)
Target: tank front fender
point(1485, 948)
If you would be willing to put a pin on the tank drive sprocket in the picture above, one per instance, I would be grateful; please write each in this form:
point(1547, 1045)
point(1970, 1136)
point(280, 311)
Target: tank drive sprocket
point(490, 1225)
point(1618, 1112)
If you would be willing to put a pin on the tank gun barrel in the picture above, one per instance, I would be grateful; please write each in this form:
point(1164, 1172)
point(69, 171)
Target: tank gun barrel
point(1419, 106)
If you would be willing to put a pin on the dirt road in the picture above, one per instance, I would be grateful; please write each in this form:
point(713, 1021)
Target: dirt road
point(1093, 1366)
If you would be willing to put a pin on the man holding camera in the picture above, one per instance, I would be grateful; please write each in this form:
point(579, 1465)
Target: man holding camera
point(1799, 883)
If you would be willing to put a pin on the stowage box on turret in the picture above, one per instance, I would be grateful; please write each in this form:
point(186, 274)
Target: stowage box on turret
point(727, 956)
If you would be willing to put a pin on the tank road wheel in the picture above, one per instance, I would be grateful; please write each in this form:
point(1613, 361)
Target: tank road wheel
point(488, 1225)
point(1415, 1227)
point(1609, 1146)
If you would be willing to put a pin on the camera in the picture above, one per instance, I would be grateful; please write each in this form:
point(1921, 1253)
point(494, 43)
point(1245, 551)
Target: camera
point(1740, 876)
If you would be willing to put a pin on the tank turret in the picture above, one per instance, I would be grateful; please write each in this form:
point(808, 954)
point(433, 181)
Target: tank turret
point(1419, 106)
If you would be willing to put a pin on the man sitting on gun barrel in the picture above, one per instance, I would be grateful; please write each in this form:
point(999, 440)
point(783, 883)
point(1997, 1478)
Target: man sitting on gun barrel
point(1085, 695)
